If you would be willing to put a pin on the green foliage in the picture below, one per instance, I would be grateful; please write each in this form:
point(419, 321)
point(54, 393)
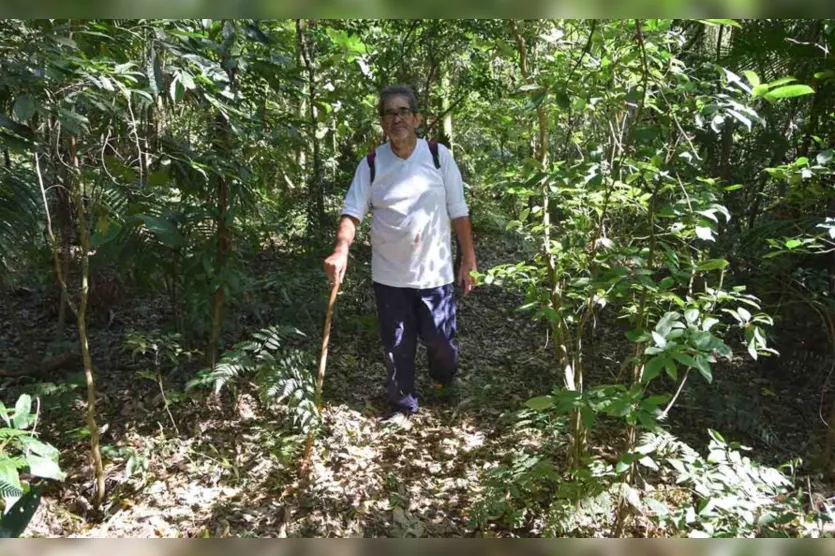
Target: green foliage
point(283, 373)
point(727, 494)
point(22, 458)
point(162, 349)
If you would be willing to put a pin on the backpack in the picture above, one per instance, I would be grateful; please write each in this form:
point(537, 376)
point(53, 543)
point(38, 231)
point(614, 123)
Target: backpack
point(433, 148)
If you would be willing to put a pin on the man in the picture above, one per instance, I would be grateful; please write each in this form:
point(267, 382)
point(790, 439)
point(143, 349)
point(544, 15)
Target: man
point(412, 204)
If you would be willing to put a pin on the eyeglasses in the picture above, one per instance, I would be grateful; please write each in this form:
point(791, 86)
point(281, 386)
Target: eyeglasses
point(402, 112)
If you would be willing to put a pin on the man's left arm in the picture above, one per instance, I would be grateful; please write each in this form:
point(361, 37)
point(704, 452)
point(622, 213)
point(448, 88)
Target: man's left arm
point(464, 232)
point(460, 215)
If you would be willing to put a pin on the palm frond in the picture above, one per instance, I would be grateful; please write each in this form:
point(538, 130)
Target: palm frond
point(21, 213)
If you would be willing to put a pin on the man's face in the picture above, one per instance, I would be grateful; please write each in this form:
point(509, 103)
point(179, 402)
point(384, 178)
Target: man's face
point(399, 122)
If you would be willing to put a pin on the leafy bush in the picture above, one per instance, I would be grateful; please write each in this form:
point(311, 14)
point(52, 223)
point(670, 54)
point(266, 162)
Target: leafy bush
point(22, 455)
point(726, 494)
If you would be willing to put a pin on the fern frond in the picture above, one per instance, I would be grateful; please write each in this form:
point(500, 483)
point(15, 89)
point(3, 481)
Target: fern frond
point(8, 490)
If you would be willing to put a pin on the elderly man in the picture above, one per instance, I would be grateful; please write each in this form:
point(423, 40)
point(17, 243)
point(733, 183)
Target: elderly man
point(414, 190)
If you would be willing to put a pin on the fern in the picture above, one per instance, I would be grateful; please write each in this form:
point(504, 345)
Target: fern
point(282, 374)
point(8, 490)
point(286, 380)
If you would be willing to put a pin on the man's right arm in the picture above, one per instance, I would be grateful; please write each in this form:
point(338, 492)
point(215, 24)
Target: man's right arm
point(337, 263)
point(356, 205)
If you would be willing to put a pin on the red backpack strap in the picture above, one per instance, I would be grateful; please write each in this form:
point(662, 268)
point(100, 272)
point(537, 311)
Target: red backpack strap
point(370, 158)
point(433, 148)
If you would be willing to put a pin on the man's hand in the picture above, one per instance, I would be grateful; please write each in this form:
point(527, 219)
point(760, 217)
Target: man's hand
point(464, 279)
point(336, 265)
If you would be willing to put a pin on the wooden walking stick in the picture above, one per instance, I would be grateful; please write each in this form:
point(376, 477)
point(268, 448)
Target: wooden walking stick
point(320, 379)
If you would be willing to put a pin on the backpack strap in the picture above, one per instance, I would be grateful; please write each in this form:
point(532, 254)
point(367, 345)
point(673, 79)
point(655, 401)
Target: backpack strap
point(370, 158)
point(433, 148)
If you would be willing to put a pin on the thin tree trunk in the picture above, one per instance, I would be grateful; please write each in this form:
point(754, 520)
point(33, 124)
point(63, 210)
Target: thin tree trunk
point(220, 133)
point(65, 225)
point(316, 197)
point(222, 144)
point(301, 108)
point(84, 237)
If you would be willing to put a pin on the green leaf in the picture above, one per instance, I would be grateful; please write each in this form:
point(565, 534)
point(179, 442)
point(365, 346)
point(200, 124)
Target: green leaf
point(781, 81)
point(24, 108)
point(45, 467)
point(17, 518)
point(667, 283)
point(685, 359)
point(176, 90)
point(759, 91)
point(132, 466)
point(704, 368)
point(72, 121)
point(647, 461)
point(23, 412)
point(713, 264)
point(793, 243)
point(659, 340)
point(624, 463)
point(187, 80)
point(540, 403)
point(752, 77)
point(40, 448)
point(656, 507)
point(157, 178)
point(744, 314)
point(653, 368)
point(691, 315)
point(670, 367)
point(789, 91)
point(637, 336)
point(825, 157)
point(165, 230)
point(703, 232)
point(734, 187)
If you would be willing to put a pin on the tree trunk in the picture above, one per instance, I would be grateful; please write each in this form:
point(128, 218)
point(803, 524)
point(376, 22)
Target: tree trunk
point(84, 237)
point(221, 138)
point(220, 133)
point(65, 225)
point(301, 108)
point(316, 196)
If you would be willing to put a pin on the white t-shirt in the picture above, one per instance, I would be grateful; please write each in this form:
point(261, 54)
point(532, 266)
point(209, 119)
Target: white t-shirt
point(412, 205)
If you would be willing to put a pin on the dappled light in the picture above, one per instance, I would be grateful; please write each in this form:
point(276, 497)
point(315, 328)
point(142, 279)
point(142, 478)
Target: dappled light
point(418, 278)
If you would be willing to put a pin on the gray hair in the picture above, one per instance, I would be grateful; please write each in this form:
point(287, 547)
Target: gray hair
point(397, 91)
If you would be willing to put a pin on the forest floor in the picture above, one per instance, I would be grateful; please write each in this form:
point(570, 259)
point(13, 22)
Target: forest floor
point(229, 466)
